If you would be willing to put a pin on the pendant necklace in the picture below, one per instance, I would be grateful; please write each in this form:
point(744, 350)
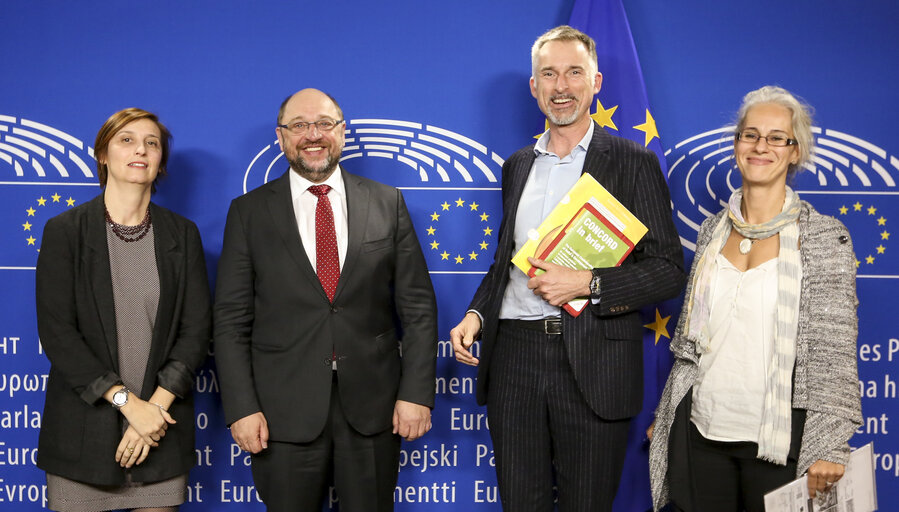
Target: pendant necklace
point(746, 245)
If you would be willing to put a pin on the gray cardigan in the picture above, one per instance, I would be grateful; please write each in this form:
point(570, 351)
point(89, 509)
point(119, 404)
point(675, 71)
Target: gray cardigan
point(825, 380)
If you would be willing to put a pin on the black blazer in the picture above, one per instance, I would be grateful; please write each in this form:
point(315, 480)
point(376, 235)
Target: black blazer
point(604, 343)
point(275, 328)
point(76, 324)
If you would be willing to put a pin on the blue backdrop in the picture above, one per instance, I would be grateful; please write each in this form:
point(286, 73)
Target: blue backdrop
point(436, 96)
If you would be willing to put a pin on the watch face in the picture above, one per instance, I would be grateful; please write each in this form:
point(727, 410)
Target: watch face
point(120, 397)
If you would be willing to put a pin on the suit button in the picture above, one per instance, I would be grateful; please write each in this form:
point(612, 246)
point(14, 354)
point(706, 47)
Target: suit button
point(333, 309)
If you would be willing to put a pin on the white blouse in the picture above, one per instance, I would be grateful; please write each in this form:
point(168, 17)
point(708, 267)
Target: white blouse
point(729, 393)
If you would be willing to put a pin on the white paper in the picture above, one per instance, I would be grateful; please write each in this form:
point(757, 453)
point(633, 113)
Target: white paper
point(855, 492)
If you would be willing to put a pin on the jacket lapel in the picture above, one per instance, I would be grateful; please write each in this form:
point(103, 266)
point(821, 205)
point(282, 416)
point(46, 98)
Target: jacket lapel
point(597, 159)
point(96, 260)
point(357, 210)
point(285, 221)
point(170, 268)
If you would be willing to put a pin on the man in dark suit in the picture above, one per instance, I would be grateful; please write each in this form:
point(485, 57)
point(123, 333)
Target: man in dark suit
point(325, 323)
point(560, 390)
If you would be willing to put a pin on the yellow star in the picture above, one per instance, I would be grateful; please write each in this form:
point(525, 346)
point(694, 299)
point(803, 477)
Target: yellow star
point(660, 326)
point(603, 116)
point(460, 202)
point(27, 226)
point(41, 201)
point(445, 206)
point(30, 240)
point(545, 127)
point(444, 255)
point(881, 221)
point(857, 206)
point(880, 249)
point(857, 263)
point(473, 255)
point(56, 197)
point(70, 201)
point(649, 128)
point(843, 210)
point(459, 259)
point(484, 245)
point(435, 216)
point(435, 244)
point(885, 235)
point(872, 210)
point(30, 212)
point(431, 230)
point(474, 206)
point(488, 231)
point(484, 217)
point(869, 260)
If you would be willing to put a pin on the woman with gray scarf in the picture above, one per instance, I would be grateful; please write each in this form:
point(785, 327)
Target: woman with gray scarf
point(764, 386)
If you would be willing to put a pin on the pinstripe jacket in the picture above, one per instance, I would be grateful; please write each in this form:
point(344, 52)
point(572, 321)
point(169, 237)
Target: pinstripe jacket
point(825, 379)
point(604, 344)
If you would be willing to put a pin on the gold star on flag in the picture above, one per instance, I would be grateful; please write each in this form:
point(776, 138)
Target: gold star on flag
point(649, 128)
point(30, 240)
point(444, 255)
point(872, 210)
point(56, 197)
point(484, 217)
point(474, 206)
point(445, 206)
point(30, 212)
point(431, 230)
point(857, 206)
point(603, 116)
point(869, 260)
point(435, 216)
point(857, 263)
point(460, 202)
point(70, 201)
point(27, 226)
point(844, 210)
point(885, 235)
point(435, 244)
point(880, 249)
point(473, 255)
point(484, 245)
point(881, 221)
point(41, 201)
point(459, 259)
point(488, 231)
point(660, 326)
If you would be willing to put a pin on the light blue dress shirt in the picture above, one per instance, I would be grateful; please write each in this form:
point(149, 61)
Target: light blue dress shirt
point(549, 180)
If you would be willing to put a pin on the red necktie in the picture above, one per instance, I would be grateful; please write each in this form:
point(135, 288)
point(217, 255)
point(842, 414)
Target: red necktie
point(327, 261)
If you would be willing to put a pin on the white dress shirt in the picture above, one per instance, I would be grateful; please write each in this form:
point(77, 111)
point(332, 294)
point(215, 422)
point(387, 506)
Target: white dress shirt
point(729, 393)
point(304, 204)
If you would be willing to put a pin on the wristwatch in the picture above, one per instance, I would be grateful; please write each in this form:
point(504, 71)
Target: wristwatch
point(594, 286)
point(120, 397)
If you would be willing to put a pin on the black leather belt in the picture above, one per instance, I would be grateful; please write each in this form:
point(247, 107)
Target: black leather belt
point(546, 326)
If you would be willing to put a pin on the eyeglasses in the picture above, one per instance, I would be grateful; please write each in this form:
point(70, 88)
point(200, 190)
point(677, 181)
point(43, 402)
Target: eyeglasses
point(772, 139)
point(300, 127)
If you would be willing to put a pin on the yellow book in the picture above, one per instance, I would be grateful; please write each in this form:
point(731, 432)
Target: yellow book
point(588, 229)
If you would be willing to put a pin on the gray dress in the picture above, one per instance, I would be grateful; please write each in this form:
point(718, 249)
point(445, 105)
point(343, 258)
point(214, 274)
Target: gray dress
point(135, 286)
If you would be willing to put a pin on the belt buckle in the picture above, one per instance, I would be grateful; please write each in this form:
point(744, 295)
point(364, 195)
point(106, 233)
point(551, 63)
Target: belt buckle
point(552, 326)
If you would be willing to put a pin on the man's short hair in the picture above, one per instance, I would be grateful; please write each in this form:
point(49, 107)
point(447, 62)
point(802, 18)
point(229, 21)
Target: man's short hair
point(284, 105)
point(564, 33)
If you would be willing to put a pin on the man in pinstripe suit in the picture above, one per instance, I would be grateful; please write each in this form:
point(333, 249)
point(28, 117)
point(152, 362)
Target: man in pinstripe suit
point(560, 390)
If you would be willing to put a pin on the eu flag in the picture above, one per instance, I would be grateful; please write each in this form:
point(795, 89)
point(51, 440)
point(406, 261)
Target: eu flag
point(622, 108)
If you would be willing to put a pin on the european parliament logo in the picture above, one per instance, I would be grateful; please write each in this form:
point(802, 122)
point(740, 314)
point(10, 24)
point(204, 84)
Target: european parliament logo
point(449, 182)
point(43, 172)
point(849, 178)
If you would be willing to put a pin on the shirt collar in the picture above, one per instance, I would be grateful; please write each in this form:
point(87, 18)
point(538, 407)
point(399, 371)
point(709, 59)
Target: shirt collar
point(299, 184)
point(543, 141)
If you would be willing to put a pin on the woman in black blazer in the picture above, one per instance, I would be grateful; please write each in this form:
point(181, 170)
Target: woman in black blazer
point(124, 316)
